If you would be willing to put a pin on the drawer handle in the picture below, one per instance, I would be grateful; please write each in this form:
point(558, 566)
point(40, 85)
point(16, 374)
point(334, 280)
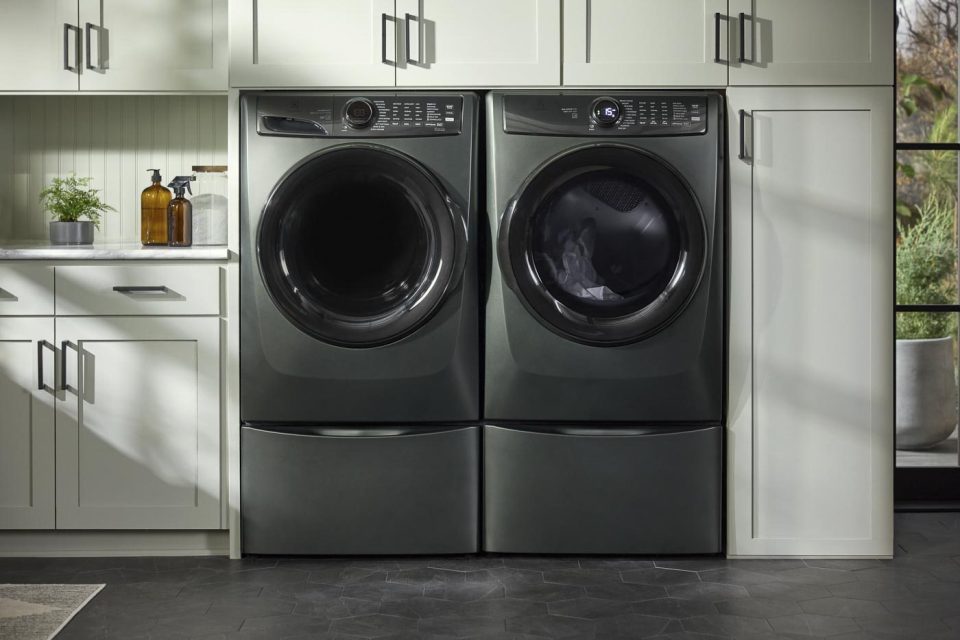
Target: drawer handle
point(155, 289)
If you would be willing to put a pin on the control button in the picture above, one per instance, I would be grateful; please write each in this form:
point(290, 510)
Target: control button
point(359, 113)
point(606, 112)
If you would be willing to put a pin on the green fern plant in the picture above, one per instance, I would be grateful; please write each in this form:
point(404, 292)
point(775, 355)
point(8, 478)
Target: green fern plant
point(70, 199)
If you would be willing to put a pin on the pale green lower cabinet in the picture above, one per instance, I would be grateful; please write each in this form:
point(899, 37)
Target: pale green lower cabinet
point(132, 441)
point(810, 447)
point(26, 424)
point(138, 424)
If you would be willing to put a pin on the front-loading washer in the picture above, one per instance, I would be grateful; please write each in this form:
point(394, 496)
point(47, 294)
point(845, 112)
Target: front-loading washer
point(604, 374)
point(359, 338)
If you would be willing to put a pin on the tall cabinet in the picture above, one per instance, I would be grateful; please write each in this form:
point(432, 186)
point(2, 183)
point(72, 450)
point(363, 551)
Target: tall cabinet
point(810, 448)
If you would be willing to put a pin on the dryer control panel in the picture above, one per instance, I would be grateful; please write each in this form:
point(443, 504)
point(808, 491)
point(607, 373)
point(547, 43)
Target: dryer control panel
point(373, 115)
point(649, 113)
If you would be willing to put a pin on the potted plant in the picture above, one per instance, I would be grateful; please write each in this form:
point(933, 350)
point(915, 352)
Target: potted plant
point(68, 200)
point(926, 274)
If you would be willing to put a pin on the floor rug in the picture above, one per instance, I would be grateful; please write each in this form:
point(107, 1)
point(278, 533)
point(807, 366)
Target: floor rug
point(39, 611)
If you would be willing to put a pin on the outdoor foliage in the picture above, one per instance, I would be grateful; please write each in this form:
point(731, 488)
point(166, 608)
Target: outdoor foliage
point(926, 264)
point(927, 180)
point(71, 198)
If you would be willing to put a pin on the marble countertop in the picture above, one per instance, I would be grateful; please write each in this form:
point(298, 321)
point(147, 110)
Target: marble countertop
point(127, 251)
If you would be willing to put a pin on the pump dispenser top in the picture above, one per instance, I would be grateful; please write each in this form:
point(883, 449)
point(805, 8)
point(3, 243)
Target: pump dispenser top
point(156, 175)
point(180, 214)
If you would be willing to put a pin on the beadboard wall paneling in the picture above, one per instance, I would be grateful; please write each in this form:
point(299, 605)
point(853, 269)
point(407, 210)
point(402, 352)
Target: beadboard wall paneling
point(113, 139)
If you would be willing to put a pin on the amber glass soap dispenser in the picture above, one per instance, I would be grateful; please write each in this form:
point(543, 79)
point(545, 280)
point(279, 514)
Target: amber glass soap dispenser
point(153, 211)
point(180, 214)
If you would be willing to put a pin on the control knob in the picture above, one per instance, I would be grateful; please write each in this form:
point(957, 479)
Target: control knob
point(606, 112)
point(359, 113)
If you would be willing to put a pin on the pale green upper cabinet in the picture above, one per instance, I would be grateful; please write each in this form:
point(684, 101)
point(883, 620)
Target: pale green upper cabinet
point(113, 45)
point(645, 42)
point(40, 39)
point(696, 43)
point(312, 43)
point(492, 43)
point(812, 42)
point(386, 43)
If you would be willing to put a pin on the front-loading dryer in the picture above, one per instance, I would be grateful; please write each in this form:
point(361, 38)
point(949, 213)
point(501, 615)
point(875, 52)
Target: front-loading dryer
point(604, 374)
point(359, 338)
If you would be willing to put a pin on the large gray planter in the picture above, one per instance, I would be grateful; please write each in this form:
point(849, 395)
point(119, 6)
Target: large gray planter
point(926, 392)
point(80, 232)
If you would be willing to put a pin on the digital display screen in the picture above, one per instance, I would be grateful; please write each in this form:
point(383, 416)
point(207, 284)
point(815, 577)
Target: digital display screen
point(606, 112)
point(359, 111)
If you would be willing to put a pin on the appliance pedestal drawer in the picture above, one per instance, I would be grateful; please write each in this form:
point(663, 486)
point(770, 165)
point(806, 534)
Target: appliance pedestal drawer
point(602, 490)
point(359, 490)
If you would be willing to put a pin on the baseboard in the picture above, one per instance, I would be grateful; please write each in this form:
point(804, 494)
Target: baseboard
point(113, 543)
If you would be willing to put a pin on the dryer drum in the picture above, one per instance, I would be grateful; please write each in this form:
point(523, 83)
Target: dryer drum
point(604, 244)
point(359, 245)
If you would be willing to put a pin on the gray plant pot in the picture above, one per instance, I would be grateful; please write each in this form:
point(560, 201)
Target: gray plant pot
point(926, 392)
point(80, 232)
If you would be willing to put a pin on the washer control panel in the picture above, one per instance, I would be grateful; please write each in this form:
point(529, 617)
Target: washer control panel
point(649, 113)
point(359, 116)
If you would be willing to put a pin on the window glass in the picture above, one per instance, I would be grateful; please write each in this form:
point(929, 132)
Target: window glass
point(927, 70)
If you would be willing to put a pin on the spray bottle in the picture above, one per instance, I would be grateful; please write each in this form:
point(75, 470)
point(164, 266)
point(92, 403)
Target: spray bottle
point(180, 213)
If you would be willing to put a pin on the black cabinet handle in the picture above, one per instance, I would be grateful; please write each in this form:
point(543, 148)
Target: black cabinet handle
point(41, 345)
point(743, 140)
point(99, 66)
point(383, 39)
point(67, 28)
point(716, 37)
point(151, 289)
point(64, 345)
point(743, 38)
point(407, 19)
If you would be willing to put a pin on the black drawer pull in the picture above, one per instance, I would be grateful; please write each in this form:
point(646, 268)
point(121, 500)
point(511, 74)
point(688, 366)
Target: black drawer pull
point(155, 289)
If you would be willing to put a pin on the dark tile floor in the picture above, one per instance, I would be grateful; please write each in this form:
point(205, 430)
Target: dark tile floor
point(916, 595)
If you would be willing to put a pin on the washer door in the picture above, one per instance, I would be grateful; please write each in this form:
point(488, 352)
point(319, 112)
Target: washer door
point(359, 245)
point(604, 244)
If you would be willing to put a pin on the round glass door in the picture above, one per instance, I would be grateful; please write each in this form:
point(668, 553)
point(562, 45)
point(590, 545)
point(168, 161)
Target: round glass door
point(604, 244)
point(359, 245)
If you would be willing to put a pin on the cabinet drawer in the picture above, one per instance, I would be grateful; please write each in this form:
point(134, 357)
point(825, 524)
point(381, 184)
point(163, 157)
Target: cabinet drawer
point(26, 290)
point(125, 290)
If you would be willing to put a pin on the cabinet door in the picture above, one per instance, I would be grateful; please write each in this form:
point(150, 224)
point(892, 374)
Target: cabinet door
point(312, 43)
point(645, 42)
point(138, 424)
point(26, 423)
point(813, 42)
point(175, 45)
point(40, 45)
point(810, 453)
point(487, 43)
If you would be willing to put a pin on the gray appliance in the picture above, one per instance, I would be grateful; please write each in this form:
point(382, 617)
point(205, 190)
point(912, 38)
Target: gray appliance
point(604, 383)
point(359, 333)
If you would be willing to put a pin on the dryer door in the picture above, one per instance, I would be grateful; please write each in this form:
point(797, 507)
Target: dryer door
point(604, 244)
point(359, 245)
